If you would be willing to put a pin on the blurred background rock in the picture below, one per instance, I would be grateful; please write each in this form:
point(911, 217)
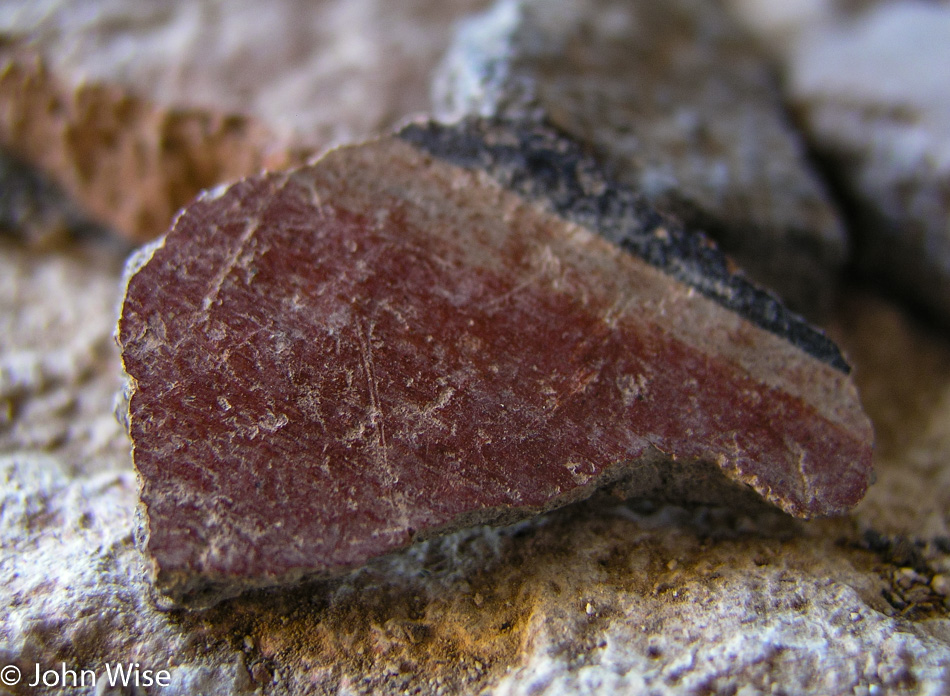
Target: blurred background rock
point(114, 114)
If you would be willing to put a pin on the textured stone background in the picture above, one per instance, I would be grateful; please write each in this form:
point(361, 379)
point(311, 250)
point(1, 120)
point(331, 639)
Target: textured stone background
point(602, 597)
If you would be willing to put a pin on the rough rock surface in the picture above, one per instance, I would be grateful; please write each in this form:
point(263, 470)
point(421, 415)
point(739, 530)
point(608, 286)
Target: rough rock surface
point(870, 92)
point(585, 599)
point(133, 108)
point(679, 101)
point(329, 363)
point(53, 347)
point(33, 208)
point(590, 598)
point(128, 162)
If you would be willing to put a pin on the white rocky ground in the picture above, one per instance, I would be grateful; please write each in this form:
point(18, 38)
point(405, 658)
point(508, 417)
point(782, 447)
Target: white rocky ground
point(868, 83)
point(599, 598)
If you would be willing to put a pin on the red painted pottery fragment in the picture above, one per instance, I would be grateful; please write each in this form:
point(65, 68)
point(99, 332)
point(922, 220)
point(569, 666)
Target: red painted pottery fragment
point(329, 363)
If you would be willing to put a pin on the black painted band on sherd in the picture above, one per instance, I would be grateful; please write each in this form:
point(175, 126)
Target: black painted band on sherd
point(537, 162)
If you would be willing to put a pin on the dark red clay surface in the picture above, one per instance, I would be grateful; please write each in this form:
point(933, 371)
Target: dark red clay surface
point(315, 386)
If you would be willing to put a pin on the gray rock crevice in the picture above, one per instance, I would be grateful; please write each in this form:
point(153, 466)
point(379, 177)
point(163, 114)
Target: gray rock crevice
point(682, 107)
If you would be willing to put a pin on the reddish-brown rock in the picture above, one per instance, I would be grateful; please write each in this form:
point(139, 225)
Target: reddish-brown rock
point(329, 363)
point(133, 108)
point(126, 161)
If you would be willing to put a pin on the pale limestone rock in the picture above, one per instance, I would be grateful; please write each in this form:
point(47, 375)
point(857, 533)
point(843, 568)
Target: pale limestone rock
point(725, 625)
point(679, 101)
point(57, 358)
point(869, 86)
point(71, 586)
point(319, 72)
point(780, 24)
